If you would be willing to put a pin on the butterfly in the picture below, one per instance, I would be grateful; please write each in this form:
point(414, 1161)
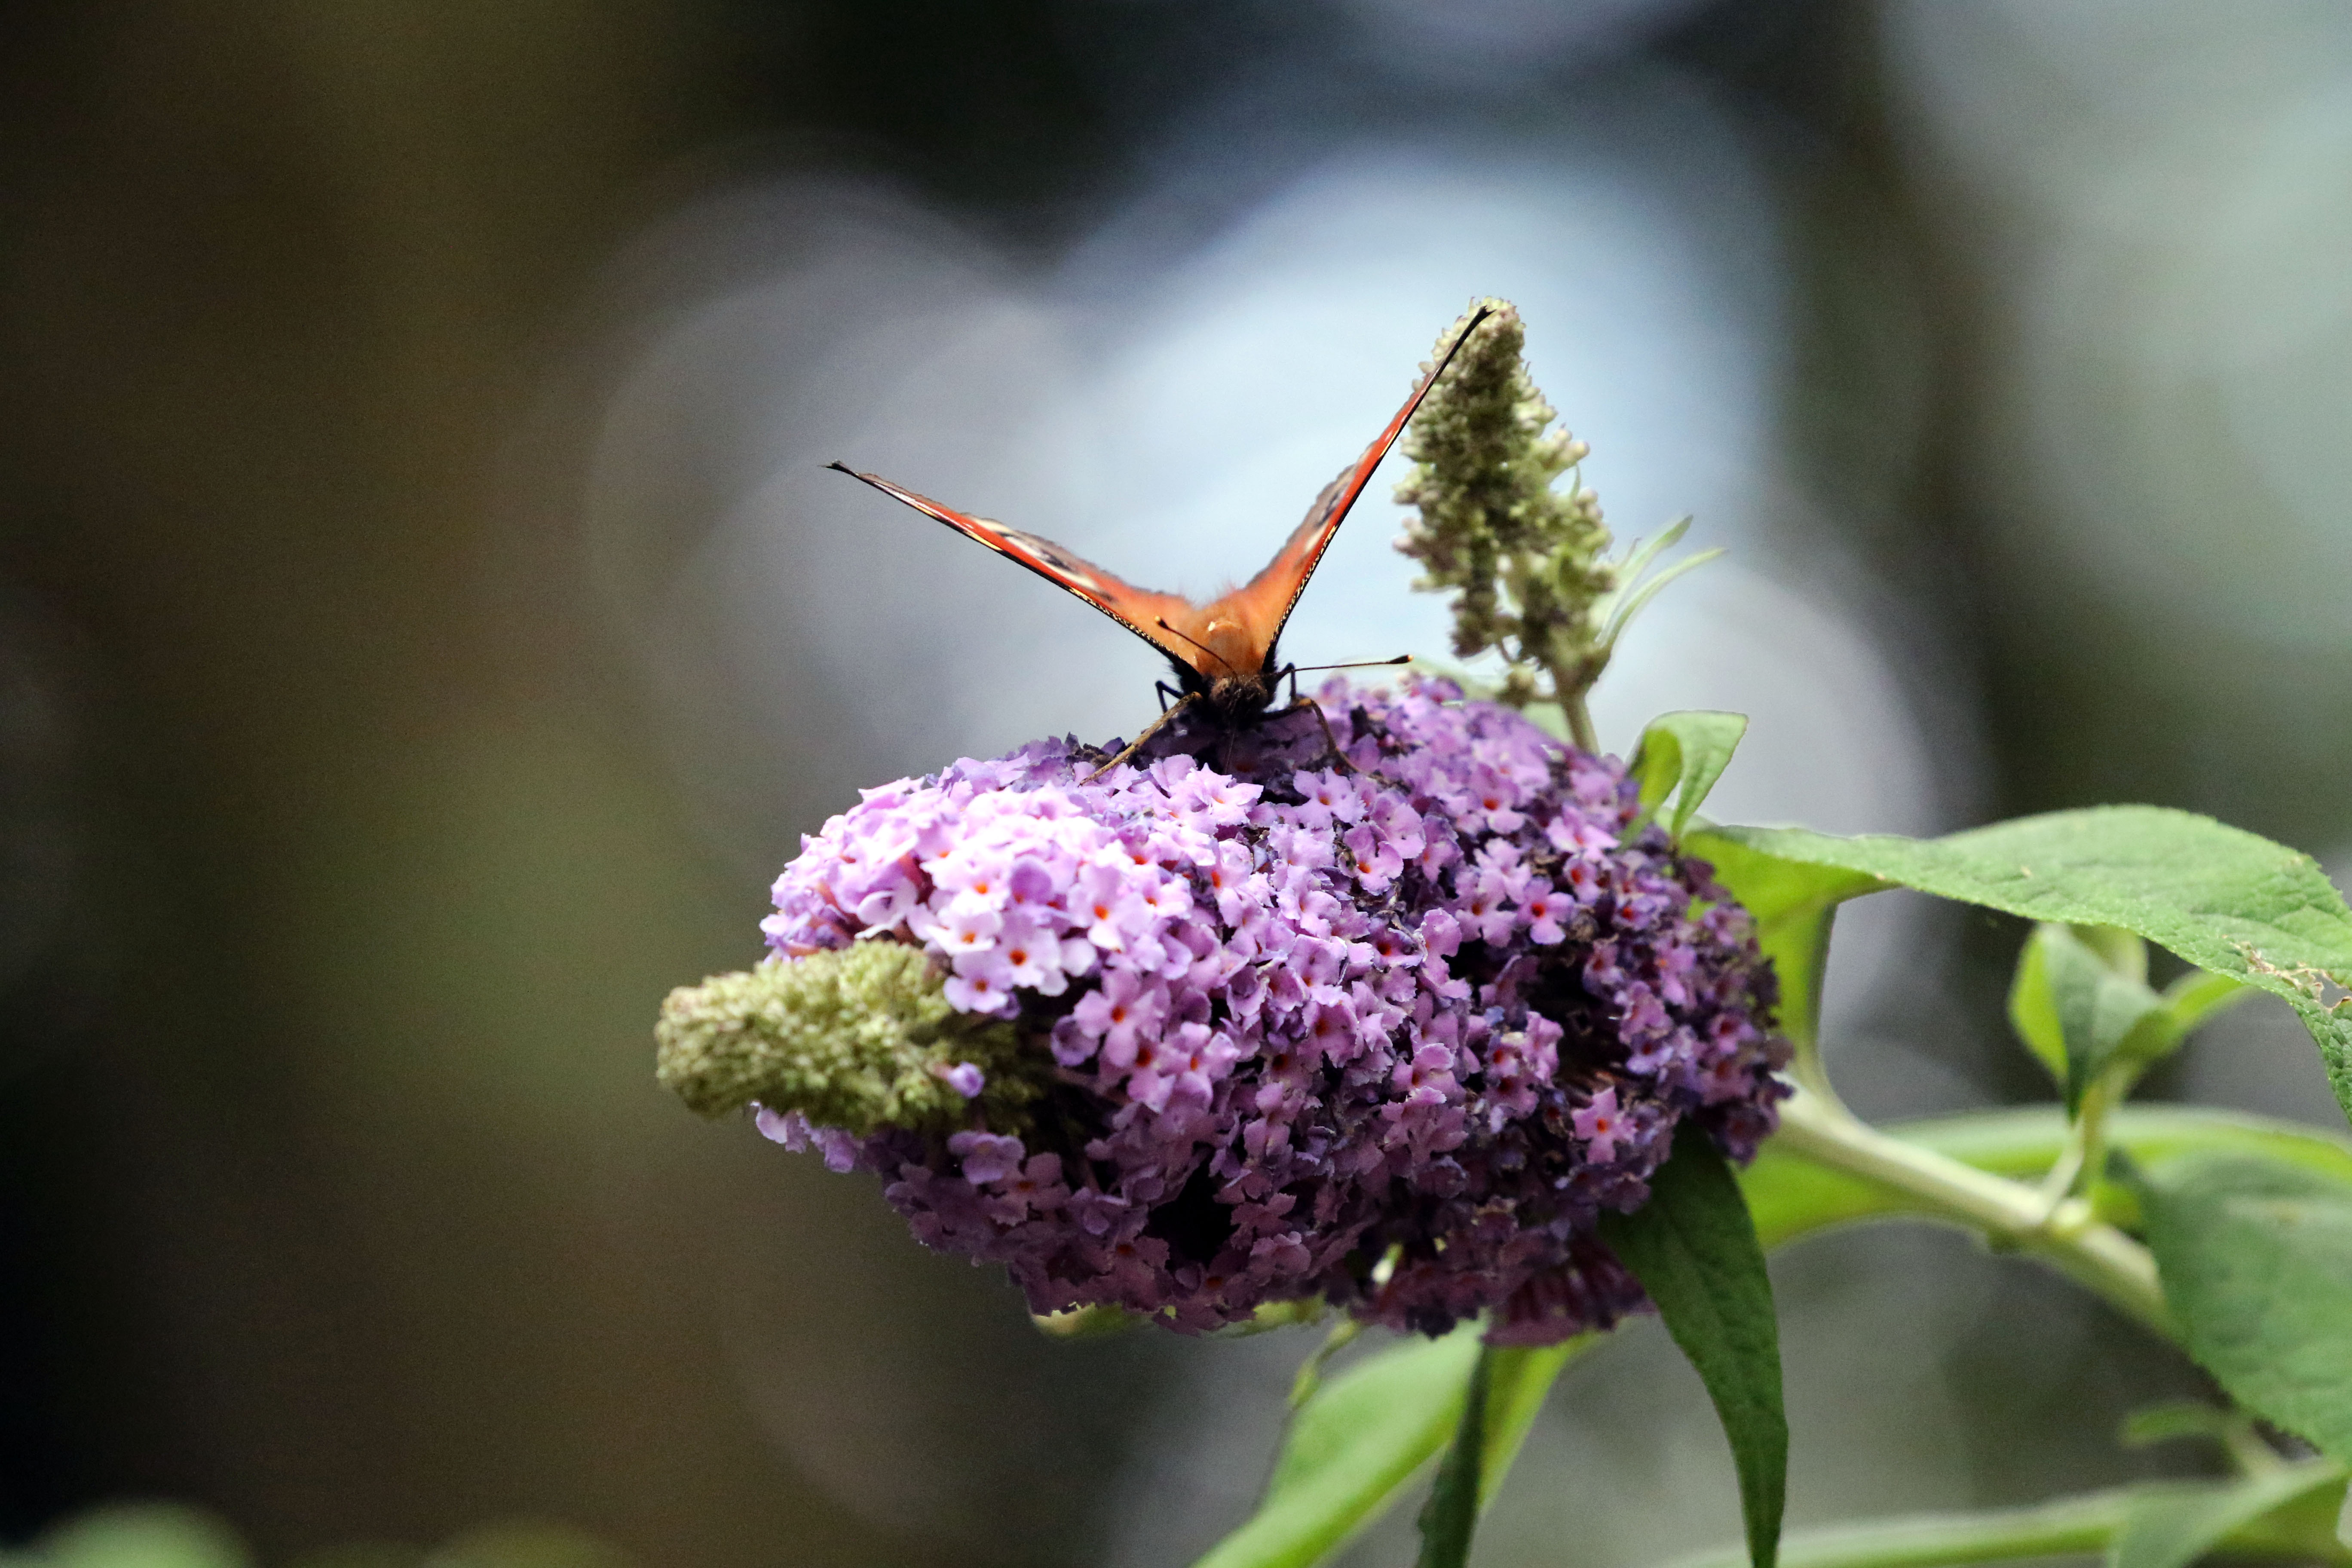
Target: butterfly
point(1222, 650)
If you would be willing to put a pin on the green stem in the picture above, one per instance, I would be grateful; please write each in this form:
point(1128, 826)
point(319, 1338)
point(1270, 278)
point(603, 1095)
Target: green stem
point(2249, 1453)
point(1580, 724)
point(2073, 1526)
point(2068, 1235)
point(2085, 1149)
point(1568, 666)
point(2069, 1526)
point(1811, 1075)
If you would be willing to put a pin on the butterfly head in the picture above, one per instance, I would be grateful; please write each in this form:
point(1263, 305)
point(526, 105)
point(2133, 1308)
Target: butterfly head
point(1221, 658)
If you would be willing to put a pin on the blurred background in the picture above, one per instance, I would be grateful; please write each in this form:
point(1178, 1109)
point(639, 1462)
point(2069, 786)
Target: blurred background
point(425, 627)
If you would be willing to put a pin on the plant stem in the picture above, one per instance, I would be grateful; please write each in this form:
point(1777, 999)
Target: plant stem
point(2064, 1528)
point(1580, 724)
point(1569, 669)
point(2007, 1214)
point(2085, 1151)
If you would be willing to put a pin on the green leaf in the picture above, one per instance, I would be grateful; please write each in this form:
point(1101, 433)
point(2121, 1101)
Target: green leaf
point(1637, 560)
point(2173, 1526)
point(1683, 754)
point(2080, 1001)
point(2121, 950)
point(2222, 898)
point(1517, 1382)
point(140, 1535)
point(1694, 1250)
point(1309, 1379)
point(2200, 995)
point(1629, 601)
point(2256, 1259)
point(1450, 1515)
point(2101, 1013)
point(1613, 608)
point(1362, 1438)
point(2175, 1418)
point(2034, 1012)
point(1351, 1448)
point(1793, 904)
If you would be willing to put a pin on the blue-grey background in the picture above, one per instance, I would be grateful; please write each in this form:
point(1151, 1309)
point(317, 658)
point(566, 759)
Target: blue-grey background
point(425, 626)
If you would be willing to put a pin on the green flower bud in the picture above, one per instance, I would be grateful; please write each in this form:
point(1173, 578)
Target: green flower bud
point(1522, 561)
point(859, 1038)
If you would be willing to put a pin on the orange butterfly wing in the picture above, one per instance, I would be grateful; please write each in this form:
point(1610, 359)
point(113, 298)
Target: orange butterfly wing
point(1140, 610)
point(1263, 604)
point(1234, 634)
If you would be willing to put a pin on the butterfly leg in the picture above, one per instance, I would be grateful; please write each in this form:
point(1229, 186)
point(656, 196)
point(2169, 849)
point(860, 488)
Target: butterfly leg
point(1329, 740)
point(1296, 703)
point(1149, 731)
point(1164, 692)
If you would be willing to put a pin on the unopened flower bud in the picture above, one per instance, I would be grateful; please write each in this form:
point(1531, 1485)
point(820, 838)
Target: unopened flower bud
point(857, 1038)
point(1491, 525)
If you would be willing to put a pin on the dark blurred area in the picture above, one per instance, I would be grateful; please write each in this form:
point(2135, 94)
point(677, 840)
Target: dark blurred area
point(423, 635)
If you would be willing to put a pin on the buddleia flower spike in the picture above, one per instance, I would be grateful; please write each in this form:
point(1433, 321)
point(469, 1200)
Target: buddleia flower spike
point(1524, 556)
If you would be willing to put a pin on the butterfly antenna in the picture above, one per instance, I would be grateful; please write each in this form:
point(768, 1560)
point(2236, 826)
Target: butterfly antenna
point(1359, 664)
point(1204, 647)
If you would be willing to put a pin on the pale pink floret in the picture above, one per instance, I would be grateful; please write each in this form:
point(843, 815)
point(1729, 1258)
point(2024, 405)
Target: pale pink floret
point(1543, 909)
point(1032, 955)
point(964, 927)
point(1374, 860)
point(1599, 1125)
point(983, 987)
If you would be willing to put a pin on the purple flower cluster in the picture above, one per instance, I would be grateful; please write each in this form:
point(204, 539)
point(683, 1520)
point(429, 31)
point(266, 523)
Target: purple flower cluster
point(1392, 1026)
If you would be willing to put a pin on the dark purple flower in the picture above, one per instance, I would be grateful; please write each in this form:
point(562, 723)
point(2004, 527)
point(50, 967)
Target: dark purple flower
point(1393, 1033)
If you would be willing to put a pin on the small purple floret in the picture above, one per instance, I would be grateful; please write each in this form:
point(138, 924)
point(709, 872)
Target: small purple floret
point(1394, 1034)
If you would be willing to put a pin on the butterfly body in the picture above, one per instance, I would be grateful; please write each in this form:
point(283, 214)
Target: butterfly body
point(1222, 650)
point(1228, 686)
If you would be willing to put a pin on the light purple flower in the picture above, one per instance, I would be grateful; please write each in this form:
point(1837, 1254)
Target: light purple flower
point(1433, 997)
point(1599, 1125)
